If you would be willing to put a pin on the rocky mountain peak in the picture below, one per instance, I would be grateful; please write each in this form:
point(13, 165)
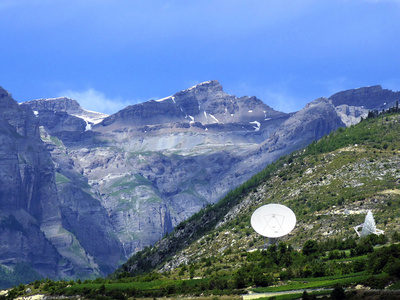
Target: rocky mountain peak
point(21, 118)
point(319, 101)
point(6, 100)
point(372, 97)
point(211, 86)
point(203, 104)
point(203, 92)
point(4, 93)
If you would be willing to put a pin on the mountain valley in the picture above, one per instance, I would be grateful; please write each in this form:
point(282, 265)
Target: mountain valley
point(90, 190)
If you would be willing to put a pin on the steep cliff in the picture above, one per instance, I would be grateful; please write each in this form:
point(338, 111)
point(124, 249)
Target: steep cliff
point(53, 226)
point(28, 194)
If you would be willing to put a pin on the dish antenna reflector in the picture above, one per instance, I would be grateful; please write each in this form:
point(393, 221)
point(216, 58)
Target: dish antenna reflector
point(273, 221)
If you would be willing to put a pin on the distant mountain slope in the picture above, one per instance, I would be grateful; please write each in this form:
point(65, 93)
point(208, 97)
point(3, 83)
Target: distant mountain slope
point(100, 188)
point(330, 185)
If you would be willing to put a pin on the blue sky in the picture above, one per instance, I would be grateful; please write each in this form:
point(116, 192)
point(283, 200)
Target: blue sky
point(108, 54)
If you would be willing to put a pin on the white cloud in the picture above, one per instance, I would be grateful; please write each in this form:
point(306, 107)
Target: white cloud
point(96, 101)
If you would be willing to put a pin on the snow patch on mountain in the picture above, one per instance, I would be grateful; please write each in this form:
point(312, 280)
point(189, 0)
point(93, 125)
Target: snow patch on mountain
point(258, 125)
point(163, 99)
point(90, 117)
point(216, 120)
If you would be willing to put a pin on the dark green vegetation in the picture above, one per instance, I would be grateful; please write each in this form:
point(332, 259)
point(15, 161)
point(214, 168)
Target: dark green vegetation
point(330, 186)
point(279, 268)
point(22, 272)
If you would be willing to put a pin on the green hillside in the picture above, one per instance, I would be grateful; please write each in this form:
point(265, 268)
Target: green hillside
point(330, 185)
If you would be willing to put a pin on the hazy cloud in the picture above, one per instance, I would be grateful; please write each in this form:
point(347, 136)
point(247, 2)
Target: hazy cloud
point(96, 101)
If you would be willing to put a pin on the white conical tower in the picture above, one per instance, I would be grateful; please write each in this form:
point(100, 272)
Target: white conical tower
point(368, 227)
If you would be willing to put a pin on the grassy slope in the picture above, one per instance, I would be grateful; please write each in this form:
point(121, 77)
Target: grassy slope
point(329, 185)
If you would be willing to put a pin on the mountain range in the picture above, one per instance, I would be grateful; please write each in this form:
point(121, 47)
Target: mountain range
point(81, 192)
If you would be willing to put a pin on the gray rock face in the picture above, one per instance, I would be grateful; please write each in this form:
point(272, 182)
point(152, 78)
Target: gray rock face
point(311, 123)
point(27, 189)
point(99, 188)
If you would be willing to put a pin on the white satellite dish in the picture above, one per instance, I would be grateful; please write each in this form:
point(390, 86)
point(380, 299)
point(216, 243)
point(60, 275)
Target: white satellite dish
point(273, 220)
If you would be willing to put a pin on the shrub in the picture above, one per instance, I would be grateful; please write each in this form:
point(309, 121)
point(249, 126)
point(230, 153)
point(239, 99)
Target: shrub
point(377, 283)
point(393, 267)
point(310, 247)
point(359, 265)
point(338, 293)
